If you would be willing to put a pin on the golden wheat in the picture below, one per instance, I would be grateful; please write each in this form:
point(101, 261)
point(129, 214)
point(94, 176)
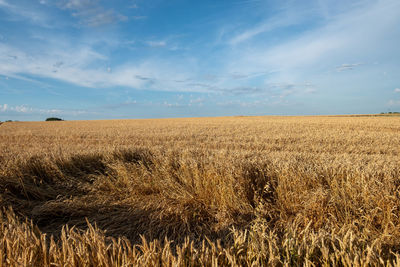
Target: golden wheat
point(235, 191)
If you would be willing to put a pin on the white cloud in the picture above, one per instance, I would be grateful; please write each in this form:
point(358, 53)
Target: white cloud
point(246, 104)
point(77, 4)
point(345, 67)
point(4, 3)
point(397, 90)
point(102, 18)
point(3, 107)
point(173, 105)
point(78, 64)
point(255, 69)
point(24, 13)
point(139, 17)
point(198, 100)
point(91, 13)
point(24, 109)
point(277, 22)
point(70, 65)
point(364, 33)
point(156, 43)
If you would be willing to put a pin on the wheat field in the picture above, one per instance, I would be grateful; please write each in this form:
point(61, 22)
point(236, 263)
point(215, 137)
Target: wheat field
point(232, 191)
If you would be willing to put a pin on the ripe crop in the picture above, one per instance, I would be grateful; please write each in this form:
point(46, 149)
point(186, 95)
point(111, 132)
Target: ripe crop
point(208, 191)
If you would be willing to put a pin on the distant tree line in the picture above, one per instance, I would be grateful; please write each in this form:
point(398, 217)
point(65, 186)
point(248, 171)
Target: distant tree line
point(48, 119)
point(391, 112)
point(54, 119)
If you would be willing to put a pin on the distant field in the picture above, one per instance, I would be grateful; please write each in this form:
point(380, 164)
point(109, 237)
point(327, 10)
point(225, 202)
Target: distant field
point(203, 191)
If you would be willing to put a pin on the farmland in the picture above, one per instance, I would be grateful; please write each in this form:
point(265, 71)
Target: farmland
point(201, 191)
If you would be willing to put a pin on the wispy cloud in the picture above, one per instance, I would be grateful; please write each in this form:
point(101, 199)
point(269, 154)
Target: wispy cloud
point(198, 100)
point(397, 90)
point(78, 64)
point(91, 13)
point(246, 104)
point(69, 65)
point(25, 109)
point(143, 78)
point(3, 107)
point(244, 90)
point(241, 75)
point(25, 13)
point(156, 43)
point(75, 66)
point(277, 22)
point(345, 67)
point(359, 34)
point(3, 3)
point(139, 17)
point(173, 105)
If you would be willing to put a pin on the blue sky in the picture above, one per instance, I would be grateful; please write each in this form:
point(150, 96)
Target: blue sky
point(95, 59)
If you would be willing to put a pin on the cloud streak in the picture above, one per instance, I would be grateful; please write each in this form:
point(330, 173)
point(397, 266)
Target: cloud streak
point(277, 22)
point(3, 3)
point(345, 67)
point(15, 12)
point(25, 109)
point(91, 13)
point(156, 43)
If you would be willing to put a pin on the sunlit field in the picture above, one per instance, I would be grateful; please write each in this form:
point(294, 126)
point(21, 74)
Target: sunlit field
point(240, 191)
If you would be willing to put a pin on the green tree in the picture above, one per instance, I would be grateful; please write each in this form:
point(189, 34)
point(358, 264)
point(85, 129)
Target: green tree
point(54, 119)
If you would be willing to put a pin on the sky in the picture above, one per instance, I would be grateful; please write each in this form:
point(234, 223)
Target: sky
point(120, 59)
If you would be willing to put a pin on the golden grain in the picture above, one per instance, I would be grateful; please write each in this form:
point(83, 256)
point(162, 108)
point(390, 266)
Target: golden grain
point(240, 191)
